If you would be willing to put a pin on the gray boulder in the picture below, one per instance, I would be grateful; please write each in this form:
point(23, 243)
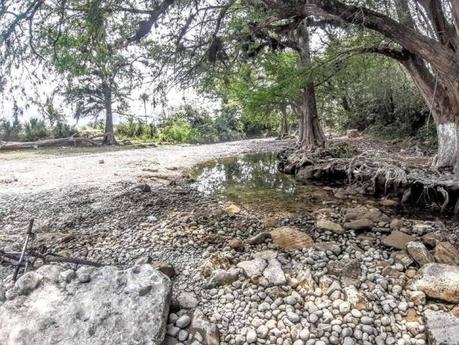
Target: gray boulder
point(442, 328)
point(113, 306)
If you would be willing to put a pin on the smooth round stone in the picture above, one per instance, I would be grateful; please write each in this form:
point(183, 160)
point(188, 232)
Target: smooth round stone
point(313, 318)
point(385, 321)
point(348, 341)
point(182, 335)
point(262, 331)
point(304, 334)
point(293, 317)
point(366, 320)
point(334, 340)
point(183, 321)
point(251, 336)
point(356, 313)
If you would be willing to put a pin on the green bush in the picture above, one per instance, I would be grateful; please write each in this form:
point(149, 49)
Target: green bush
point(35, 129)
point(188, 125)
point(177, 131)
point(63, 130)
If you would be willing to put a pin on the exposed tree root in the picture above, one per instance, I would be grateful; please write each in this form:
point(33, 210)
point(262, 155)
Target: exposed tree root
point(376, 173)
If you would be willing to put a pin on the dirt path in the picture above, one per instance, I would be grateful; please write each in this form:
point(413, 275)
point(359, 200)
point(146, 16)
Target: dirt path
point(106, 168)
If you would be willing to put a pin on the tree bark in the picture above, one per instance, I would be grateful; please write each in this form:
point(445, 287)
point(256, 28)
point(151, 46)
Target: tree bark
point(109, 135)
point(284, 122)
point(311, 133)
point(442, 102)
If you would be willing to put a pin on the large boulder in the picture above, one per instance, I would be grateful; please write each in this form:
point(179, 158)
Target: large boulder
point(442, 328)
point(108, 306)
point(439, 281)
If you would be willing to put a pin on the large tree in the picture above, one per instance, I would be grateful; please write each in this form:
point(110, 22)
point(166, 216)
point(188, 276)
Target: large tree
point(92, 44)
point(422, 35)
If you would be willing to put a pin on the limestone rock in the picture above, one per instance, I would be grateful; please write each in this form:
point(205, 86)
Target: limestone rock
point(253, 268)
point(446, 253)
point(439, 281)
point(327, 225)
point(274, 273)
point(442, 328)
point(265, 255)
point(328, 246)
point(114, 307)
point(355, 213)
point(397, 240)
point(289, 238)
point(419, 253)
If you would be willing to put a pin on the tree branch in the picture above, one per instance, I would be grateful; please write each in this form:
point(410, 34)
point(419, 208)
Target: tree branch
point(442, 58)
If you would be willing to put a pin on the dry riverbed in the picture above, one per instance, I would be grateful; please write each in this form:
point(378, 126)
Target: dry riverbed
point(336, 271)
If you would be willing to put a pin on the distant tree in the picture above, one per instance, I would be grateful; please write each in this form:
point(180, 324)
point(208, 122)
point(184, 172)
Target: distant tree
point(92, 44)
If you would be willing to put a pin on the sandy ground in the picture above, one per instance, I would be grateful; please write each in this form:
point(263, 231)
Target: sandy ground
point(47, 172)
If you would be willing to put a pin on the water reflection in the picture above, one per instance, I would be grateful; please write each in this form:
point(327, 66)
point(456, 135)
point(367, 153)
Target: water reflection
point(248, 173)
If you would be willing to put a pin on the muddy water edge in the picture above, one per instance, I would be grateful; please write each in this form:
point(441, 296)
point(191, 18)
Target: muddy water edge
point(254, 182)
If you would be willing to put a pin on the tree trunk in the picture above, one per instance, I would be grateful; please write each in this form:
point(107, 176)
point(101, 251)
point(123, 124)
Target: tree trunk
point(109, 136)
point(443, 101)
point(448, 145)
point(311, 133)
point(284, 123)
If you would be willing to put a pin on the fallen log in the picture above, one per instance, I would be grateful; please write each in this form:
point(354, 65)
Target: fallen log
point(17, 145)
